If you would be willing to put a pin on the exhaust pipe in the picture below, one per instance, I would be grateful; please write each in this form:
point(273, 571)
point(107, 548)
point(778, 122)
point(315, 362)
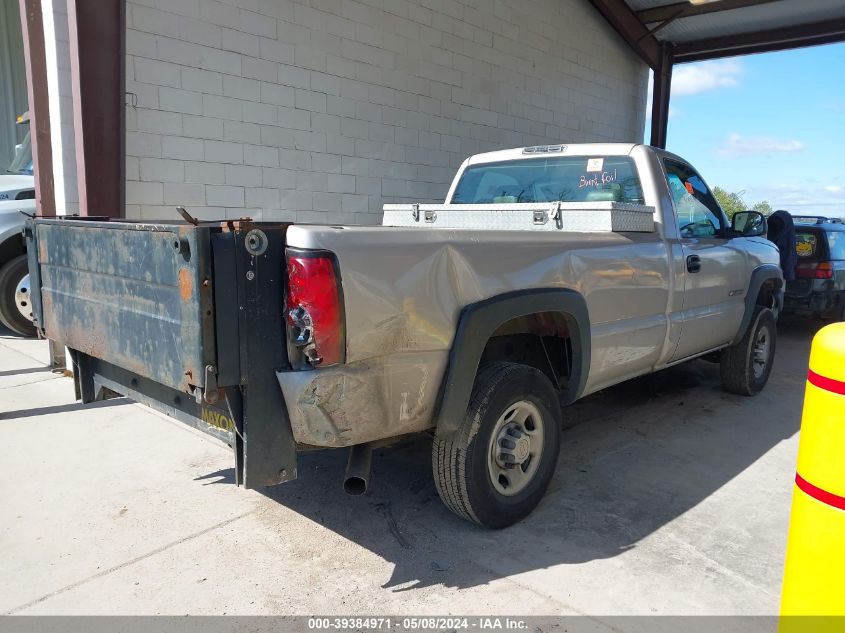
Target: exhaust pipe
point(358, 469)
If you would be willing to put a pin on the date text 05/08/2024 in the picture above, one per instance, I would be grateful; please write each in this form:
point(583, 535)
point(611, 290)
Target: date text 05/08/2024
point(417, 623)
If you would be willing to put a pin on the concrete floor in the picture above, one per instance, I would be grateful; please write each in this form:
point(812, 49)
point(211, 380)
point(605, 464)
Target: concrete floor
point(671, 497)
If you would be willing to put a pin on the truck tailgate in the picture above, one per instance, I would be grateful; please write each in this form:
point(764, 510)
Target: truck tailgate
point(187, 319)
point(135, 295)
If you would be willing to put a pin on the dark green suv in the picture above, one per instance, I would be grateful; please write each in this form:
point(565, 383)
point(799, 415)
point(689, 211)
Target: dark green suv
point(819, 286)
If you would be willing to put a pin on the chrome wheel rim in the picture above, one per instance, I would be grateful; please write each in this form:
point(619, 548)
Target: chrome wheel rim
point(22, 299)
point(760, 353)
point(516, 447)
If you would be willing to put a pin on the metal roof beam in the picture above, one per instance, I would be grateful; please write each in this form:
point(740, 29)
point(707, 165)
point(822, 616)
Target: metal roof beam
point(812, 34)
point(631, 29)
point(686, 10)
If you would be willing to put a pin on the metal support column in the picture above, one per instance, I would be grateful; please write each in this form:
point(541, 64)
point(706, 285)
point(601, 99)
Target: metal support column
point(58, 357)
point(97, 64)
point(32, 28)
point(660, 97)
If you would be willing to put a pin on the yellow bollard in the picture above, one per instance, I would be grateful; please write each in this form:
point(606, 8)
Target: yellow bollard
point(814, 574)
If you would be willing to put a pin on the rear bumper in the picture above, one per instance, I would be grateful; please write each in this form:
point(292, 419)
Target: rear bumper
point(813, 303)
point(364, 401)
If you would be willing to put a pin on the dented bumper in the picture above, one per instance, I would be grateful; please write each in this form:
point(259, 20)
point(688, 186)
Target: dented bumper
point(365, 401)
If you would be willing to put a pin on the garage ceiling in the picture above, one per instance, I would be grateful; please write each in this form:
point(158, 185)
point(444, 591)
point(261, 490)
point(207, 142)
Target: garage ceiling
point(668, 32)
point(707, 29)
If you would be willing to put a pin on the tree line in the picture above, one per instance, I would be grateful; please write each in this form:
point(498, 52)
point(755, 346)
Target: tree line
point(731, 202)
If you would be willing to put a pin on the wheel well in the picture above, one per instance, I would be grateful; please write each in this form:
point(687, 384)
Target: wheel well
point(11, 248)
point(766, 295)
point(541, 340)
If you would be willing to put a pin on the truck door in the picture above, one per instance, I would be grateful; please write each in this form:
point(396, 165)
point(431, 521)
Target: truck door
point(713, 270)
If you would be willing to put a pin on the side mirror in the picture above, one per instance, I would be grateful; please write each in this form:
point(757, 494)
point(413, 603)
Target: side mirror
point(748, 224)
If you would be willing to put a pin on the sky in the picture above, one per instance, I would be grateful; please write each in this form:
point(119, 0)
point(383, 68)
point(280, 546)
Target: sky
point(771, 125)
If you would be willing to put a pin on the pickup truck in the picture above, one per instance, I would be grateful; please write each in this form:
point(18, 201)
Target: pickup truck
point(550, 273)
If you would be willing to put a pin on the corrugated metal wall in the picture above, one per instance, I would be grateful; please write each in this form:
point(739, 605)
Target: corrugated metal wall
point(13, 98)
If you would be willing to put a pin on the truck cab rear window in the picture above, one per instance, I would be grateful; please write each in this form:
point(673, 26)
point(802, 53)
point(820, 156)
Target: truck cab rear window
point(564, 178)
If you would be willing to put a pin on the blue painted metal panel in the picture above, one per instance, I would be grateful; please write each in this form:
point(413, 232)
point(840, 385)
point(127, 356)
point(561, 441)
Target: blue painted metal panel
point(135, 295)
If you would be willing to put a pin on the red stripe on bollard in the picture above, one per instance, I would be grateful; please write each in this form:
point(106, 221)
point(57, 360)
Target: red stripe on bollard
point(818, 494)
point(823, 382)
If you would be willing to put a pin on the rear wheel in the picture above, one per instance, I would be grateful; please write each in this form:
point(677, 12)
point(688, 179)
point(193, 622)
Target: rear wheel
point(495, 469)
point(15, 303)
point(746, 365)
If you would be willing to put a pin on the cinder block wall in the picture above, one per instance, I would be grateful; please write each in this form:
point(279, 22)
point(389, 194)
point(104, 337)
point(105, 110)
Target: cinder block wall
point(323, 110)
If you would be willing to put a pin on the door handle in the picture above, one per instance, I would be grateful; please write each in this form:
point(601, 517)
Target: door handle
point(693, 263)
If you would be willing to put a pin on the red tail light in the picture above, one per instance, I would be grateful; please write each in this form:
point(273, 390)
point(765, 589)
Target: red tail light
point(313, 308)
point(814, 270)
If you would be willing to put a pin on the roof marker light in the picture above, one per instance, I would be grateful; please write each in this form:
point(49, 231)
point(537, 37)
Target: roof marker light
point(544, 149)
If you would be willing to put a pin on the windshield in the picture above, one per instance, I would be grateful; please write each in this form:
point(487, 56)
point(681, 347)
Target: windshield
point(564, 178)
point(22, 163)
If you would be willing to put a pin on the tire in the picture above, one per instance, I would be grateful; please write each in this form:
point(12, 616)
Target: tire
point(467, 474)
point(11, 274)
point(746, 365)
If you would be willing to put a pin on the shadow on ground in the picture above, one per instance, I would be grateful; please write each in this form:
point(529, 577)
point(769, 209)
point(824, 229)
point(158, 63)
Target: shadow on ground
point(6, 333)
point(28, 370)
point(633, 458)
point(63, 408)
